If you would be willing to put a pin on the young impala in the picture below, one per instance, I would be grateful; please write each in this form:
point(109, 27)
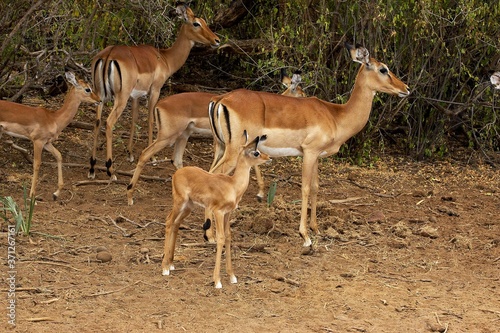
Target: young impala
point(306, 127)
point(178, 116)
point(43, 126)
point(218, 192)
point(120, 72)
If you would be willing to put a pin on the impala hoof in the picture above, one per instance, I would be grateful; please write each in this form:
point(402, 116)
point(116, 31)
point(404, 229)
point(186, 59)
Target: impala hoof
point(218, 285)
point(233, 279)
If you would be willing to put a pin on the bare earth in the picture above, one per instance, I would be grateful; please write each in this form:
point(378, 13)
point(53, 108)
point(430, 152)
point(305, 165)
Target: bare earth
point(404, 246)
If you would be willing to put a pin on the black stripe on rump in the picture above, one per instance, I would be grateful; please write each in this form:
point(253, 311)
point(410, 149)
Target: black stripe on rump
point(228, 124)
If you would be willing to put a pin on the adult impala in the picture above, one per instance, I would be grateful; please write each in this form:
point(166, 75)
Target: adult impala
point(43, 126)
point(220, 193)
point(306, 127)
point(178, 116)
point(122, 72)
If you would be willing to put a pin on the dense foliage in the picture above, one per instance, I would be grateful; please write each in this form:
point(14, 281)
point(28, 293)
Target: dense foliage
point(444, 50)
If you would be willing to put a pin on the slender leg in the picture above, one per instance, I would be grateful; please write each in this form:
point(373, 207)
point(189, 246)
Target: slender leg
point(260, 181)
point(146, 154)
point(314, 197)
point(153, 99)
point(97, 129)
point(135, 114)
point(225, 167)
point(57, 155)
point(309, 161)
point(229, 264)
point(180, 147)
point(115, 113)
point(219, 220)
point(37, 160)
point(179, 212)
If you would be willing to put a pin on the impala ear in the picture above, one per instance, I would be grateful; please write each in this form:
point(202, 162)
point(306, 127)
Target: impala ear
point(359, 54)
point(296, 79)
point(70, 76)
point(285, 79)
point(184, 12)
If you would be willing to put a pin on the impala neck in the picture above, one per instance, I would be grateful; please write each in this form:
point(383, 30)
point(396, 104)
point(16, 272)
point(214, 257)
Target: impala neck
point(356, 111)
point(68, 110)
point(241, 176)
point(177, 54)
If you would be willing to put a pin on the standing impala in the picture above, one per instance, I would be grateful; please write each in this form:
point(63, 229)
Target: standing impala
point(43, 126)
point(306, 127)
point(178, 116)
point(120, 72)
point(220, 193)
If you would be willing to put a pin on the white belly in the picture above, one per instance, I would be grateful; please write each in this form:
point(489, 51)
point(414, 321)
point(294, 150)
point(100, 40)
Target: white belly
point(279, 152)
point(138, 93)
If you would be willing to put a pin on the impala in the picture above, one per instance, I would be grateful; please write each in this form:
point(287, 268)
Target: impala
point(306, 127)
point(120, 72)
point(218, 192)
point(43, 126)
point(495, 80)
point(180, 115)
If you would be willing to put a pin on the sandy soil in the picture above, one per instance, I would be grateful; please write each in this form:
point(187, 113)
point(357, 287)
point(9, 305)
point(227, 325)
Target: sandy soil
point(404, 246)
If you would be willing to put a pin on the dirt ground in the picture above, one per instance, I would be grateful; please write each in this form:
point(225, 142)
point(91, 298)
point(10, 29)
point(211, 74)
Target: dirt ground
point(404, 246)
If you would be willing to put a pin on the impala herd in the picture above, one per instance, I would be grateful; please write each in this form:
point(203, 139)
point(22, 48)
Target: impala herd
point(290, 124)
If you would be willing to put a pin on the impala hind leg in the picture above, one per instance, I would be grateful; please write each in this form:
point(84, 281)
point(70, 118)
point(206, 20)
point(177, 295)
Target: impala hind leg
point(97, 129)
point(110, 124)
point(146, 154)
point(174, 219)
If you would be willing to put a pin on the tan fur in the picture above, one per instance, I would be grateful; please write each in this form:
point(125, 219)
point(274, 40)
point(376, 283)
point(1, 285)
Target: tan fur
point(307, 127)
point(217, 192)
point(43, 126)
point(144, 69)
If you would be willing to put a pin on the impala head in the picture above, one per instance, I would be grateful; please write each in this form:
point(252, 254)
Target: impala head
point(376, 74)
point(83, 88)
point(196, 27)
point(495, 80)
point(251, 150)
point(293, 84)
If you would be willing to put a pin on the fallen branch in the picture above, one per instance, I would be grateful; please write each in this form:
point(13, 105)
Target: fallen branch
point(287, 280)
point(51, 263)
point(113, 291)
point(338, 201)
point(124, 231)
point(39, 319)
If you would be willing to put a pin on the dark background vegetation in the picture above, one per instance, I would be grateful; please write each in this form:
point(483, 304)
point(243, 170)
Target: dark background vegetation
point(444, 50)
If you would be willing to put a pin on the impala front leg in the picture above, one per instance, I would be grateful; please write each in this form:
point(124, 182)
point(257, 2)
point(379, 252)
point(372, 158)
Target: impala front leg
point(314, 197)
point(57, 155)
point(37, 160)
point(219, 220)
point(307, 173)
point(229, 264)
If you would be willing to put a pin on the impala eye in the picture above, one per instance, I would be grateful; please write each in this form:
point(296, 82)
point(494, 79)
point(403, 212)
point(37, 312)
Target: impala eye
point(88, 90)
point(196, 24)
point(256, 153)
point(384, 70)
